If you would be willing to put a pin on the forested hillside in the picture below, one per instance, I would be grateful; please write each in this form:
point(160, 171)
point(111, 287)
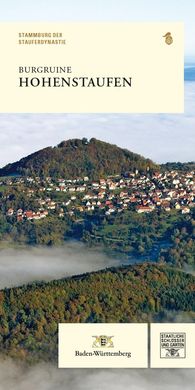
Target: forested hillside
point(29, 315)
point(74, 158)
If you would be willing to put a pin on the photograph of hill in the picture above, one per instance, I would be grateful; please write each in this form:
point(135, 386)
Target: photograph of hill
point(138, 214)
point(97, 218)
point(92, 232)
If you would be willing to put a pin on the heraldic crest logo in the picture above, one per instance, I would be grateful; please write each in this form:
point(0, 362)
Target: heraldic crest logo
point(103, 342)
point(173, 345)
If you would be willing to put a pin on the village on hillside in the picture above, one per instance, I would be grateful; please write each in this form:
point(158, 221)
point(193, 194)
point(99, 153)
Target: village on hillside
point(143, 193)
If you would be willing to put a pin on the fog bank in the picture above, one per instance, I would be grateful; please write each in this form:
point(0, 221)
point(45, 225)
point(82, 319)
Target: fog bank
point(18, 266)
point(47, 377)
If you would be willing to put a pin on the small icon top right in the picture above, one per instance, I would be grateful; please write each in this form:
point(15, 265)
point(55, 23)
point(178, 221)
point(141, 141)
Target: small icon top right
point(168, 38)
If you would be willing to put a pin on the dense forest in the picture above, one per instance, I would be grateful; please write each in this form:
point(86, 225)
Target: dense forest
point(29, 315)
point(181, 252)
point(74, 158)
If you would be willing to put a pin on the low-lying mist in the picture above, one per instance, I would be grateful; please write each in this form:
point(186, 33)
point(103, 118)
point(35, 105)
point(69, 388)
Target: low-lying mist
point(48, 377)
point(19, 266)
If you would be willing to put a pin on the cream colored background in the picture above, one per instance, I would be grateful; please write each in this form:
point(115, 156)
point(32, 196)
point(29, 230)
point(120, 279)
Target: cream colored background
point(127, 338)
point(135, 50)
point(188, 362)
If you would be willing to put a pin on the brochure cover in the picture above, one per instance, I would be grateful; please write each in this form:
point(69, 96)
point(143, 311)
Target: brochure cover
point(97, 195)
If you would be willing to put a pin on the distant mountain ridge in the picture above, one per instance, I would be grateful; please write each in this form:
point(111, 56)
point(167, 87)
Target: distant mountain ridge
point(178, 166)
point(78, 158)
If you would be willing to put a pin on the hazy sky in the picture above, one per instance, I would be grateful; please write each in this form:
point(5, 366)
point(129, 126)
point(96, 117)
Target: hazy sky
point(158, 136)
point(104, 10)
